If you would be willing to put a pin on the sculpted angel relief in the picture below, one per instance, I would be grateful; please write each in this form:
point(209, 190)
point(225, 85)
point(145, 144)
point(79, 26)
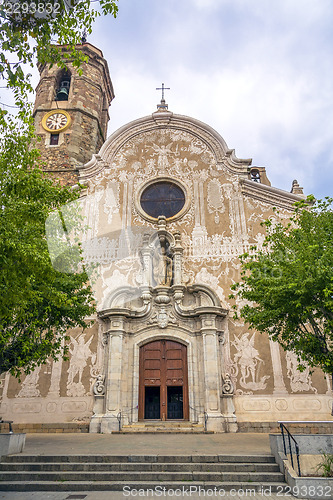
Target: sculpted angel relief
point(80, 353)
point(250, 363)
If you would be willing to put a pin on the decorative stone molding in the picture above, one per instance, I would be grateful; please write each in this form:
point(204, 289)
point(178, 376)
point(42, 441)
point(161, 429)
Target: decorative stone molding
point(225, 158)
point(227, 385)
point(267, 194)
point(99, 387)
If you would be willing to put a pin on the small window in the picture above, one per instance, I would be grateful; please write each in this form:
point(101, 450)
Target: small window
point(54, 139)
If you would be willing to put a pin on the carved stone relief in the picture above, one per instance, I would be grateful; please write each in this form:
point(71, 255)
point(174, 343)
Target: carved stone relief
point(250, 363)
point(163, 316)
point(299, 381)
point(215, 199)
point(111, 202)
point(29, 387)
point(204, 277)
point(80, 353)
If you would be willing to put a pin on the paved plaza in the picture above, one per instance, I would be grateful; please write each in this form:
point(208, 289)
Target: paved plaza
point(147, 444)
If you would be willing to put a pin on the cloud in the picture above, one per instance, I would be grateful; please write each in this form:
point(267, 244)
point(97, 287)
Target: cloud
point(259, 72)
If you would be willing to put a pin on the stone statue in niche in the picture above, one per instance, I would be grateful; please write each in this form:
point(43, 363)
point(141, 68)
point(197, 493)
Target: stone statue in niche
point(162, 264)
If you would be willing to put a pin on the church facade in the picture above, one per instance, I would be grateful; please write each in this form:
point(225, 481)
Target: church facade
point(168, 209)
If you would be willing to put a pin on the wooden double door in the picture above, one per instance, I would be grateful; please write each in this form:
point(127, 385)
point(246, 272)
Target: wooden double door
point(163, 386)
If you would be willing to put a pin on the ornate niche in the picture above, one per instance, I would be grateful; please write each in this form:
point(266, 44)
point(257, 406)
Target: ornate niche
point(162, 263)
point(162, 258)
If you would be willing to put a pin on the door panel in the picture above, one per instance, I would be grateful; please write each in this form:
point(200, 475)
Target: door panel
point(152, 403)
point(175, 403)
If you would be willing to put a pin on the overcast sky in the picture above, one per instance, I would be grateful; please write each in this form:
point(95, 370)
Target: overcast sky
point(260, 72)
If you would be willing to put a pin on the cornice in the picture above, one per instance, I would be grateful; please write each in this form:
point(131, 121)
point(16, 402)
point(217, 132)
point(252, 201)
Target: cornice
point(268, 194)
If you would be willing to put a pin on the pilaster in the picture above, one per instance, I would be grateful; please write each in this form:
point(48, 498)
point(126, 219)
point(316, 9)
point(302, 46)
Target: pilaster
point(279, 385)
point(109, 420)
point(211, 372)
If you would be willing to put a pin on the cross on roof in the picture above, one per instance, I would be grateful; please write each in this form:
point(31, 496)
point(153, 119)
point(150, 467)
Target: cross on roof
point(163, 89)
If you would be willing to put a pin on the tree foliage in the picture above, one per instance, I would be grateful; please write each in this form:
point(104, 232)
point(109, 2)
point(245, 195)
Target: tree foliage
point(289, 284)
point(37, 302)
point(22, 40)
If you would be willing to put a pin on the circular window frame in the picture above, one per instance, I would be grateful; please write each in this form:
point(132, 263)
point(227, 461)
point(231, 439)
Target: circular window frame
point(157, 180)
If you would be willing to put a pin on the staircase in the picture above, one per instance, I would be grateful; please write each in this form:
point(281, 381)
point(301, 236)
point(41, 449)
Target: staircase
point(172, 427)
point(113, 473)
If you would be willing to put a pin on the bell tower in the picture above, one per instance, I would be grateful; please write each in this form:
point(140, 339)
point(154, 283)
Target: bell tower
point(71, 113)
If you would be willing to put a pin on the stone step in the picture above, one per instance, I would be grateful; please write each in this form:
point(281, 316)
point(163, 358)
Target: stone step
point(138, 467)
point(162, 431)
point(139, 458)
point(165, 423)
point(125, 476)
point(165, 427)
point(114, 472)
point(193, 487)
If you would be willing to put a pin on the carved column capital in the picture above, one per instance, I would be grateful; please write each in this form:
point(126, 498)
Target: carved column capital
point(208, 323)
point(117, 326)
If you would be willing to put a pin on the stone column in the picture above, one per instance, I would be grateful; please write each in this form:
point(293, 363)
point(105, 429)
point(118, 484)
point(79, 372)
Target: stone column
point(54, 391)
point(211, 372)
point(99, 385)
point(279, 385)
point(177, 259)
point(109, 420)
point(196, 203)
point(202, 178)
point(5, 384)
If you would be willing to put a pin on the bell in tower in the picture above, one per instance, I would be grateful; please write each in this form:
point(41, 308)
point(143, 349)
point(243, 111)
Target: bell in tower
point(63, 91)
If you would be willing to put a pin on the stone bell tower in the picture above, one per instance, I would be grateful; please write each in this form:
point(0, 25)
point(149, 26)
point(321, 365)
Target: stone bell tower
point(71, 113)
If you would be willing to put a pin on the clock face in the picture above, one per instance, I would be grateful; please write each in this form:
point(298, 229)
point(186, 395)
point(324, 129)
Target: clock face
point(56, 121)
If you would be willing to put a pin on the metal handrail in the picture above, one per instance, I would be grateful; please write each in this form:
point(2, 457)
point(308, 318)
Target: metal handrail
point(305, 421)
point(290, 436)
point(119, 420)
point(9, 422)
point(206, 420)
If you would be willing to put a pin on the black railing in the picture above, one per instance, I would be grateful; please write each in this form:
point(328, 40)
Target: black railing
point(206, 420)
point(197, 411)
point(290, 438)
point(9, 422)
point(121, 414)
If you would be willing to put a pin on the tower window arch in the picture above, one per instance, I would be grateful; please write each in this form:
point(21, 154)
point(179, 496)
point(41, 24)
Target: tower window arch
point(63, 85)
point(255, 175)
